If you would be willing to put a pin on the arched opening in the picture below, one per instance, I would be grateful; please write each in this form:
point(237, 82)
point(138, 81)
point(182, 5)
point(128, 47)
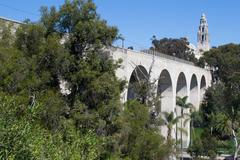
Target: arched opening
point(193, 97)
point(202, 88)
point(181, 85)
point(138, 77)
point(181, 91)
point(165, 90)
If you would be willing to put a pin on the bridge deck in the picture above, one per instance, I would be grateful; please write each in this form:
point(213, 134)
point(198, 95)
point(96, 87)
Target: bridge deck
point(155, 53)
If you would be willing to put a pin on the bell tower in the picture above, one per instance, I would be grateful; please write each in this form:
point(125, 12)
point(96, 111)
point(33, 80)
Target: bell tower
point(203, 36)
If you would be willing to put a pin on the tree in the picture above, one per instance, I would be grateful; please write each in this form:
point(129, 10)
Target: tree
point(145, 92)
point(174, 47)
point(23, 136)
point(221, 104)
point(182, 103)
point(204, 145)
point(138, 138)
point(228, 126)
point(42, 60)
point(224, 60)
point(7, 37)
point(30, 39)
point(145, 98)
point(170, 121)
point(68, 44)
point(196, 149)
point(189, 117)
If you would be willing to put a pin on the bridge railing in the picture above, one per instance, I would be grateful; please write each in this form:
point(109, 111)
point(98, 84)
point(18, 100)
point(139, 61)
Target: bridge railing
point(166, 56)
point(155, 53)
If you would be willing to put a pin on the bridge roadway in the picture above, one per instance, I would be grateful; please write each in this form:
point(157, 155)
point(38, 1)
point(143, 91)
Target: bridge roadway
point(173, 77)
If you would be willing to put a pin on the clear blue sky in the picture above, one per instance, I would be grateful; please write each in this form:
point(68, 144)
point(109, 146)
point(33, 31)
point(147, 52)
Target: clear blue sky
point(138, 20)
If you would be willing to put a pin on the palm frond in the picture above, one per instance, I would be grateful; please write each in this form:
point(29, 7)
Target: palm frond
point(170, 119)
point(179, 101)
point(184, 99)
point(176, 120)
point(189, 105)
point(183, 131)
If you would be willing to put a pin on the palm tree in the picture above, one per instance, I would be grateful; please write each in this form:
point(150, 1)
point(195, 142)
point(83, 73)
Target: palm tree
point(170, 121)
point(184, 105)
point(229, 126)
point(188, 118)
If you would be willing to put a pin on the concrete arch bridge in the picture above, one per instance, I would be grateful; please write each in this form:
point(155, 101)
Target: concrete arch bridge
point(173, 77)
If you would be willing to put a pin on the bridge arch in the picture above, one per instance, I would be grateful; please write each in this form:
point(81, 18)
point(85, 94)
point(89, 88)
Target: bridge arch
point(203, 87)
point(181, 88)
point(139, 74)
point(181, 91)
point(165, 90)
point(193, 97)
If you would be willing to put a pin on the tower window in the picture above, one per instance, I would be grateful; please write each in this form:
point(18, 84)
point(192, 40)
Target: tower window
point(203, 39)
point(202, 29)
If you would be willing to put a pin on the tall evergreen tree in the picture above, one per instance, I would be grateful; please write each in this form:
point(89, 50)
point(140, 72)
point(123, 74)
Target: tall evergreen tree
point(68, 46)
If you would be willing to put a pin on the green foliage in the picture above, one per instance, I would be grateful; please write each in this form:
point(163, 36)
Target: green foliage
point(30, 39)
point(220, 109)
point(213, 102)
point(75, 18)
point(209, 143)
point(174, 47)
point(139, 139)
point(39, 122)
point(223, 124)
point(23, 137)
point(204, 144)
point(184, 105)
point(14, 70)
point(52, 110)
point(197, 119)
point(143, 89)
point(170, 121)
point(224, 96)
point(182, 102)
point(196, 149)
point(6, 32)
point(225, 59)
